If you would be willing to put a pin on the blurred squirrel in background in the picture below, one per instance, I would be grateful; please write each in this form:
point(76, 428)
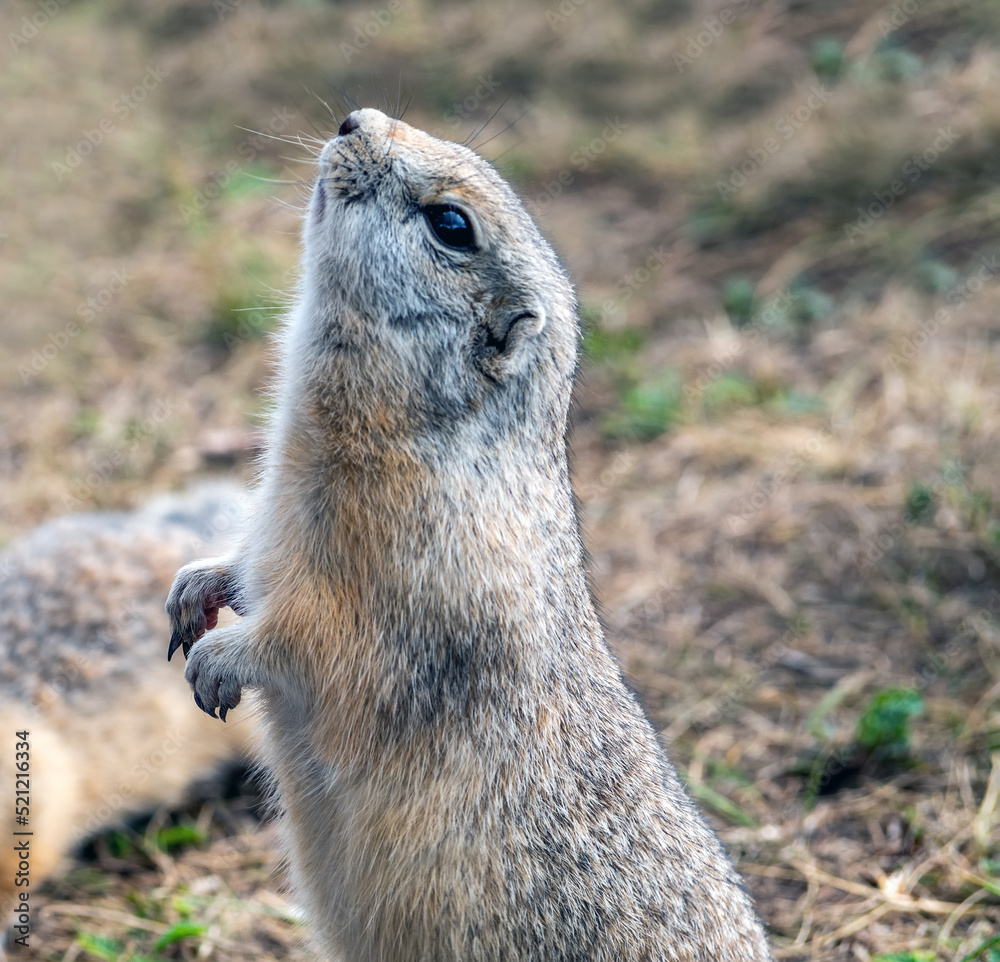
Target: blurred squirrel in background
point(94, 726)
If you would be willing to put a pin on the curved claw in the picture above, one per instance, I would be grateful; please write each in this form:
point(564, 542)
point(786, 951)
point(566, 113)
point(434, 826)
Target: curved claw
point(198, 592)
point(177, 641)
point(230, 695)
point(213, 674)
point(207, 711)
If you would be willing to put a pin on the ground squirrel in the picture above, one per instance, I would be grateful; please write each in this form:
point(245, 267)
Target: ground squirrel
point(110, 731)
point(462, 772)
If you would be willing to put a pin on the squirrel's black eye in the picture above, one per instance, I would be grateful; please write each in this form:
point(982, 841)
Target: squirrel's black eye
point(450, 226)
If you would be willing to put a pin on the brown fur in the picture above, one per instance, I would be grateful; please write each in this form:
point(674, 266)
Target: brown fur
point(111, 733)
point(462, 772)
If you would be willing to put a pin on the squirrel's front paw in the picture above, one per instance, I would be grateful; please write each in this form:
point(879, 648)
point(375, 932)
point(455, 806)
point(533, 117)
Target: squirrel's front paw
point(199, 590)
point(212, 677)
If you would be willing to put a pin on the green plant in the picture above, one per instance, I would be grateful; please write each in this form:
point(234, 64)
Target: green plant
point(885, 724)
point(919, 501)
point(110, 950)
point(896, 64)
point(177, 932)
point(828, 57)
point(809, 304)
point(723, 805)
point(730, 391)
point(647, 409)
point(179, 836)
point(738, 299)
point(120, 844)
point(934, 277)
point(989, 951)
point(85, 422)
point(601, 344)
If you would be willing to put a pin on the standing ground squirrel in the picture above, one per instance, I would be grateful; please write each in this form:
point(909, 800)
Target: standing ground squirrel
point(462, 772)
point(110, 733)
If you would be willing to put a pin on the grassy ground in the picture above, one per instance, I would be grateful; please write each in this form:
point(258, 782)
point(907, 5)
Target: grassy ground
point(782, 220)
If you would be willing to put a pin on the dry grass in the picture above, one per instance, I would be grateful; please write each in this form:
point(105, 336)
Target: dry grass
point(788, 469)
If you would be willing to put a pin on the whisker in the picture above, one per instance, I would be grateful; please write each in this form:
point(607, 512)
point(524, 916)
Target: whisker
point(468, 140)
point(282, 183)
point(503, 153)
point(326, 106)
point(263, 133)
point(503, 131)
point(288, 205)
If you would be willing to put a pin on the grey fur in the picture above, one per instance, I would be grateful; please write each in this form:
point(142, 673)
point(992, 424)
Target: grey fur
point(463, 772)
point(81, 670)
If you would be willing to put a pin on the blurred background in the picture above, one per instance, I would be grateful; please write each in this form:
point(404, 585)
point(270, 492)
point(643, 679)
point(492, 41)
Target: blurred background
point(781, 216)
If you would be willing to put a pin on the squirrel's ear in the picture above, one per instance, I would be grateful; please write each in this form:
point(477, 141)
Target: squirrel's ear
point(503, 338)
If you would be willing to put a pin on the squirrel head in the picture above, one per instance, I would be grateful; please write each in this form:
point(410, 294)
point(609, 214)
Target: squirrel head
point(431, 305)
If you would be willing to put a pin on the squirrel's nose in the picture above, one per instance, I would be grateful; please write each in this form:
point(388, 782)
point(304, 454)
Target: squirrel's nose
point(350, 124)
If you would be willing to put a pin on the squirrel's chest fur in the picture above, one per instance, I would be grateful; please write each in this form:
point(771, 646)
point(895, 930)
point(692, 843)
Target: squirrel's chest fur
point(446, 782)
point(402, 616)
